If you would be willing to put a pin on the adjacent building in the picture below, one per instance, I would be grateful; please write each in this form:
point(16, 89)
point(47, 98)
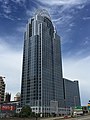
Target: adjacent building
point(2, 89)
point(17, 97)
point(9, 108)
point(42, 80)
point(71, 93)
point(7, 97)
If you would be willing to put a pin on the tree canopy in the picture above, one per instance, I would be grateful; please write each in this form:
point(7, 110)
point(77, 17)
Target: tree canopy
point(26, 111)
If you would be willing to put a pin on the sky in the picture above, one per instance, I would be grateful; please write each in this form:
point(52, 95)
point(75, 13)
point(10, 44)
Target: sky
point(72, 21)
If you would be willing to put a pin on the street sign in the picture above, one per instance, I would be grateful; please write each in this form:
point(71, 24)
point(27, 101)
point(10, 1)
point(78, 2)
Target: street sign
point(78, 107)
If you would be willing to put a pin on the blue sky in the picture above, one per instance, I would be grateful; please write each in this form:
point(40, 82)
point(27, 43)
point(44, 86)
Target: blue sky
point(72, 21)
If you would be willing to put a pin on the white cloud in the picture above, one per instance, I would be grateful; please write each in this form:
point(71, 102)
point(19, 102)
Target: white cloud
point(61, 11)
point(63, 19)
point(7, 16)
point(6, 8)
point(86, 18)
point(63, 2)
point(63, 7)
point(80, 6)
point(10, 67)
point(29, 13)
point(21, 29)
point(79, 69)
point(68, 30)
point(18, 1)
point(72, 24)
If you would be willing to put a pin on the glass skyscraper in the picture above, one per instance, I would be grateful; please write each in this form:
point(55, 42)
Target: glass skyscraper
point(42, 81)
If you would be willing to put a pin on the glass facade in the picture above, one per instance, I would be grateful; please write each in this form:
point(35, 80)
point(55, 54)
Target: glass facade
point(71, 93)
point(42, 66)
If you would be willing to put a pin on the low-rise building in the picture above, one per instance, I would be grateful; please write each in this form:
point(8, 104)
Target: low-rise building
point(71, 93)
point(17, 97)
point(9, 108)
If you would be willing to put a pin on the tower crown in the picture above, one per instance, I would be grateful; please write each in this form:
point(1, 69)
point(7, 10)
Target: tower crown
point(43, 13)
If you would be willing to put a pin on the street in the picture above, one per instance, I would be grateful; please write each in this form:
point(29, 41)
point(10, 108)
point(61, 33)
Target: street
point(61, 118)
point(80, 118)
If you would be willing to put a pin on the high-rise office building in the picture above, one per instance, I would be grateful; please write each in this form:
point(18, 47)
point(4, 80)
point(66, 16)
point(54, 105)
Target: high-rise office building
point(71, 93)
point(2, 89)
point(42, 82)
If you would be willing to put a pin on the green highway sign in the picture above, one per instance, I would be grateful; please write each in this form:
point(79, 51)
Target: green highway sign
point(78, 107)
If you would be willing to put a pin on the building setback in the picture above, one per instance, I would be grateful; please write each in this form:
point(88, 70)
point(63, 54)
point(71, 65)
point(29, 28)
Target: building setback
point(42, 80)
point(71, 93)
point(2, 89)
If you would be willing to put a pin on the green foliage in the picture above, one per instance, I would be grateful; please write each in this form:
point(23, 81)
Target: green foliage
point(16, 115)
point(26, 112)
point(33, 114)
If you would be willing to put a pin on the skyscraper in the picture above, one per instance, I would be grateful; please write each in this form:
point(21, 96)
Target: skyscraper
point(42, 80)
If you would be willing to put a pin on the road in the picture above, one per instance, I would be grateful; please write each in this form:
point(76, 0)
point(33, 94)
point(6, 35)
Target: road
point(61, 118)
point(80, 118)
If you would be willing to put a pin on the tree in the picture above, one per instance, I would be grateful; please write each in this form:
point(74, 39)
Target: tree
point(26, 111)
